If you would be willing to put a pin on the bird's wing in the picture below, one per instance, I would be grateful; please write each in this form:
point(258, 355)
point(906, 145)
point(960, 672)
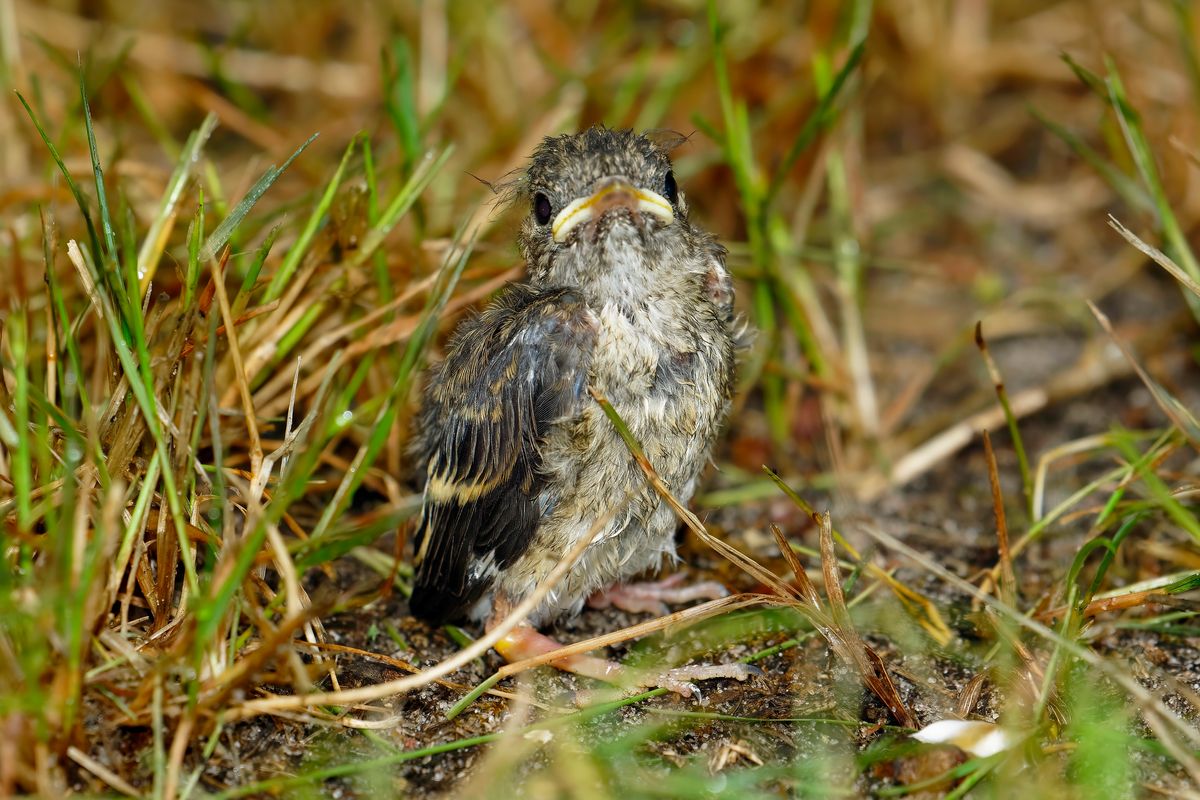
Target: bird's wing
point(510, 372)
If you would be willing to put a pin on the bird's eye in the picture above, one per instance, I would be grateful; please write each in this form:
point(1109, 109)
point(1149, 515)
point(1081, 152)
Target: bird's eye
point(541, 209)
point(670, 189)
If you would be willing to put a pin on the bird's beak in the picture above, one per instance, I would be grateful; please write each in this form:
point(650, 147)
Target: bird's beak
point(615, 192)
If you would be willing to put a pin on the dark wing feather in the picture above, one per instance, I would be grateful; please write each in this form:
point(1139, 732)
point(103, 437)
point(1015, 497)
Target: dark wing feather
point(509, 373)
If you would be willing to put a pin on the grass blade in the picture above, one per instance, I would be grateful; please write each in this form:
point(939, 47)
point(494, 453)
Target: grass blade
point(160, 227)
point(1143, 157)
point(80, 201)
point(818, 120)
point(101, 195)
point(298, 250)
point(218, 238)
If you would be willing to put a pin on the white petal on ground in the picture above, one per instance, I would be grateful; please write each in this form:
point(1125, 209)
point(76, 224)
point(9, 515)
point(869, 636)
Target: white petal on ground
point(980, 739)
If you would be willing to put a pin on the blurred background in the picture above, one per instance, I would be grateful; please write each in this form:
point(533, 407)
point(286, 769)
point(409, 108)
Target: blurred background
point(885, 174)
point(954, 187)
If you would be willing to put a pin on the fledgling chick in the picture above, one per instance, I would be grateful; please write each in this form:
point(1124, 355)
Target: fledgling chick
point(624, 295)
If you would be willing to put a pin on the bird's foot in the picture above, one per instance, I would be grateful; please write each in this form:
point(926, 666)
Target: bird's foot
point(525, 641)
point(682, 680)
point(653, 597)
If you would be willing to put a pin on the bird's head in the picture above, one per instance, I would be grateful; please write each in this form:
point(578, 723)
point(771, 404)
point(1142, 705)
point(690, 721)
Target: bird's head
point(604, 210)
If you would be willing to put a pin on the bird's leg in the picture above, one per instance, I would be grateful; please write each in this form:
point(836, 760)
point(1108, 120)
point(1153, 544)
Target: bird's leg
point(525, 641)
point(653, 597)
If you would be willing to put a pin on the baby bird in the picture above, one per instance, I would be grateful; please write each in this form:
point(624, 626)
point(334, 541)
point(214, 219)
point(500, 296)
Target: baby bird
point(624, 295)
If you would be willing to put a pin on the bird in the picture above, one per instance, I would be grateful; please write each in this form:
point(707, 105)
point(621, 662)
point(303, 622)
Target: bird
point(625, 297)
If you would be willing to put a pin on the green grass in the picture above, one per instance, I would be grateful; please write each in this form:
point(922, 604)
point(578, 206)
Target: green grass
point(204, 414)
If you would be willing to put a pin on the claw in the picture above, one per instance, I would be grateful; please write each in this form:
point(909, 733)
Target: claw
point(653, 597)
point(681, 688)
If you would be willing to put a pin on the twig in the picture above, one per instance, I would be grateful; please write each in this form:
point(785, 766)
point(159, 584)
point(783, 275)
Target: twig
point(241, 379)
point(1008, 581)
point(1096, 367)
point(1013, 430)
point(102, 772)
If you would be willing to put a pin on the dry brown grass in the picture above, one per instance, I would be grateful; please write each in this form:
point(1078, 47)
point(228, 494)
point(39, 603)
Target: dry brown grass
point(203, 426)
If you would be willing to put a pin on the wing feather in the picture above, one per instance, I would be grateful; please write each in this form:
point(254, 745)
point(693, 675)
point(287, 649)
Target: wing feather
point(509, 374)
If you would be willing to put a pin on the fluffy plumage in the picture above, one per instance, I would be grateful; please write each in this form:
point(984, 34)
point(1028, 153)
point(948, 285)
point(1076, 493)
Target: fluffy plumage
point(519, 460)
